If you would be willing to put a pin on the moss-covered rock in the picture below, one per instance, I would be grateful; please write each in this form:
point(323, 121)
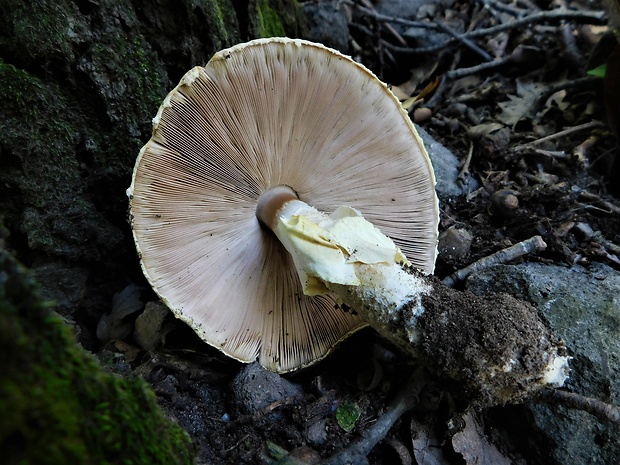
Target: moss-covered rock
point(276, 18)
point(57, 405)
point(79, 84)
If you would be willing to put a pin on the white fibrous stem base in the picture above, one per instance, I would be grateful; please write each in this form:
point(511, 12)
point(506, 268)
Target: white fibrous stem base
point(328, 248)
point(347, 255)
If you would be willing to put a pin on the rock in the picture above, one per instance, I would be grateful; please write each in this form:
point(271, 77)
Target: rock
point(58, 405)
point(148, 328)
point(254, 388)
point(316, 432)
point(117, 324)
point(454, 243)
point(445, 164)
point(62, 283)
point(326, 23)
point(583, 307)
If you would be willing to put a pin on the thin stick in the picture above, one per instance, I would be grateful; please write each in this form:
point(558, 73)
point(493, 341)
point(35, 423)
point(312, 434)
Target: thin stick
point(395, 20)
point(555, 15)
point(590, 234)
point(388, 26)
point(463, 176)
point(603, 205)
point(462, 72)
point(562, 133)
point(494, 5)
point(467, 42)
point(598, 408)
point(531, 245)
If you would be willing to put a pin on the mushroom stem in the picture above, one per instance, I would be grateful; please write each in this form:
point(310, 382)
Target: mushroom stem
point(338, 249)
point(499, 350)
point(271, 201)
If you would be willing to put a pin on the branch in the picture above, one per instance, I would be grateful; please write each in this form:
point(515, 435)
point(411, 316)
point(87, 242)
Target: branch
point(531, 245)
point(584, 17)
point(598, 408)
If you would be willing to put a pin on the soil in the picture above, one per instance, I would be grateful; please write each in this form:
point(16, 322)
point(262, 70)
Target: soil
point(533, 134)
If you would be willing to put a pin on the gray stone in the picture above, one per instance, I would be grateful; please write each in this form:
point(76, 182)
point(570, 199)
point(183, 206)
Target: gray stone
point(255, 388)
point(63, 284)
point(148, 327)
point(326, 23)
point(583, 307)
point(445, 165)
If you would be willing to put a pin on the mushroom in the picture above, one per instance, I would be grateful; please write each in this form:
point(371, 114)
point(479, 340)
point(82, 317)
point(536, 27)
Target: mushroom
point(228, 204)
point(263, 124)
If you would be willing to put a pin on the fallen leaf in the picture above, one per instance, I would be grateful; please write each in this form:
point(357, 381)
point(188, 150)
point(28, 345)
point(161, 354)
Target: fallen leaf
point(347, 415)
point(599, 71)
point(481, 131)
point(427, 448)
point(115, 325)
point(523, 104)
point(474, 446)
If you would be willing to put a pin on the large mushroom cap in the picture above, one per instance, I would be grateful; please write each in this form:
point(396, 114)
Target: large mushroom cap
point(261, 114)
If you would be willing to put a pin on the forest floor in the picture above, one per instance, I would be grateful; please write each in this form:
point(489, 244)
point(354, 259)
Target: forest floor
point(505, 86)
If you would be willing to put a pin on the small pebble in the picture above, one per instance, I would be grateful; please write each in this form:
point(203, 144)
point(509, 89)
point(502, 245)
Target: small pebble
point(421, 115)
point(504, 203)
point(454, 243)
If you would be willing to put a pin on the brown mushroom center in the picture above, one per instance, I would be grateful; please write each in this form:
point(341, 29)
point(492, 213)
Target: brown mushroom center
point(271, 201)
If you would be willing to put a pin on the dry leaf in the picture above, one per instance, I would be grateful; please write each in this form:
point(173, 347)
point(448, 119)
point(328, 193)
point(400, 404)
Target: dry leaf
point(114, 326)
point(427, 448)
point(474, 446)
point(481, 131)
point(523, 104)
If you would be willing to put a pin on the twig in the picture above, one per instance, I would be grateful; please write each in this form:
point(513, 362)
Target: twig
point(598, 408)
point(404, 401)
point(571, 49)
point(562, 133)
point(587, 81)
point(388, 26)
point(395, 20)
point(464, 177)
point(580, 153)
point(493, 6)
point(555, 15)
point(603, 205)
point(590, 234)
point(462, 72)
point(467, 42)
point(531, 245)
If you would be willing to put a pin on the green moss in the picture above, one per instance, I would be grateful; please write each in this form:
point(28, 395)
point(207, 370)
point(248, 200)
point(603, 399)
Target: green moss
point(269, 21)
point(125, 71)
point(276, 18)
point(26, 98)
point(41, 28)
point(58, 406)
point(39, 134)
point(222, 21)
point(35, 121)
